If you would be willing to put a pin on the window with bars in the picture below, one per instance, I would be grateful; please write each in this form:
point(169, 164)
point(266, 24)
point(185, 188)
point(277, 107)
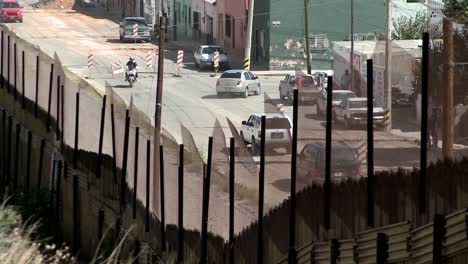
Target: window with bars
point(318, 43)
point(363, 37)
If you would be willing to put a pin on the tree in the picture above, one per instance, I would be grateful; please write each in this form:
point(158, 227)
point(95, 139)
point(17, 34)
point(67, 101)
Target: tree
point(456, 9)
point(409, 28)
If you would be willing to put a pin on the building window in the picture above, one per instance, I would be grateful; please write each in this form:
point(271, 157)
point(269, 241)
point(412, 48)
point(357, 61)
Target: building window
point(318, 43)
point(227, 24)
point(196, 20)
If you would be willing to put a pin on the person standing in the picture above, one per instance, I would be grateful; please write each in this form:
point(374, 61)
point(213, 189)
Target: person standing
point(346, 80)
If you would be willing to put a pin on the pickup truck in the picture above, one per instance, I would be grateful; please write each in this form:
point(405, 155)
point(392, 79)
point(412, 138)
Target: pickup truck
point(277, 130)
point(309, 90)
point(353, 112)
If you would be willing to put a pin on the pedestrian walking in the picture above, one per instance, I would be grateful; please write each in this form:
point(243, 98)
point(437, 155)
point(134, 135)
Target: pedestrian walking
point(346, 80)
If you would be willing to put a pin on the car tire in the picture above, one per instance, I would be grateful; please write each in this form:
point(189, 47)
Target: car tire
point(347, 125)
point(245, 94)
point(21, 20)
point(219, 94)
point(254, 147)
point(196, 64)
point(202, 66)
point(258, 91)
point(290, 99)
point(282, 97)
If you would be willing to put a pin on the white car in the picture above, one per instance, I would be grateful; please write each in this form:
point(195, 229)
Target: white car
point(204, 57)
point(338, 97)
point(277, 130)
point(239, 82)
point(353, 111)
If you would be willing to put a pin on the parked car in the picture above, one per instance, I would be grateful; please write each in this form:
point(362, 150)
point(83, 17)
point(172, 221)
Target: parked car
point(11, 11)
point(239, 82)
point(204, 57)
point(344, 161)
point(353, 111)
point(338, 97)
point(277, 131)
point(126, 29)
point(309, 90)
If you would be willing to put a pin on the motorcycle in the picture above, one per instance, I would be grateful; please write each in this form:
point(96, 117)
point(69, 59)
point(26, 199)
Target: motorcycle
point(131, 77)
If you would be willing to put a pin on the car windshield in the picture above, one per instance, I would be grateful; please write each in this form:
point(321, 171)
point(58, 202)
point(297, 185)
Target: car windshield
point(342, 96)
point(210, 50)
point(231, 75)
point(10, 5)
point(343, 154)
point(277, 123)
point(307, 80)
point(359, 104)
point(132, 21)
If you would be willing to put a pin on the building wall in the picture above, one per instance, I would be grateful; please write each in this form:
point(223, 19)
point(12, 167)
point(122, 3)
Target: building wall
point(236, 19)
point(207, 28)
point(331, 17)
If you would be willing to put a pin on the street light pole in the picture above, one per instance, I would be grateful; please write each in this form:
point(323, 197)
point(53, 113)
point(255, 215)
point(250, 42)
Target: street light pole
point(388, 64)
point(248, 43)
point(307, 39)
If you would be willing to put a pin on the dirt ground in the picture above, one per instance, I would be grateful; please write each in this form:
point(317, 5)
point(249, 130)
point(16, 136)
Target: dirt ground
point(55, 4)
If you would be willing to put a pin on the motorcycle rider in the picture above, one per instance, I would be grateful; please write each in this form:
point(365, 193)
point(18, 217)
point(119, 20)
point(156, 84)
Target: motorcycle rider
point(131, 65)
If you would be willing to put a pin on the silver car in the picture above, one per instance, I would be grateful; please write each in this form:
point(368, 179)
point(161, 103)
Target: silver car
point(338, 97)
point(239, 82)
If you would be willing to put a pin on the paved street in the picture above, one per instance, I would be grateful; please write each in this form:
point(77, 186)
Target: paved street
point(189, 99)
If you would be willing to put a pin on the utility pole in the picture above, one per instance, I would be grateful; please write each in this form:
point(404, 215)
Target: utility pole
point(307, 39)
point(388, 64)
point(248, 39)
point(351, 59)
point(447, 105)
point(157, 115)
point(174, 11)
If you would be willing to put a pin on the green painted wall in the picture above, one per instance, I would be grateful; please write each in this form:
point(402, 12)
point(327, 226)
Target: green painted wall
point(260, 56)
point(325, 16)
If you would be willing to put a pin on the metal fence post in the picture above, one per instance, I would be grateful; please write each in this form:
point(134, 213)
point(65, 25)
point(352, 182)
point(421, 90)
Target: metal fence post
point(57, 119)
point(16, 161)
point(77, 129)
point(261, 193)
point(424, 125)
point(41, 160)
point(370, 143)
point(100, 224)
point(75, 214)
point(15, 73)
point(8, 64)
point(163, 203)
point(334, 244)
point(23, 87)
point(114, 150)
point(382, 248)
point(9, 154)
point(123, 176)
point(148, 171)
point(101, 137)
point(292, 209)
point(57, 192)
point(180, 226)
point(206, 203)
point(28, 160)
point(135, 171)
point(1, 60)
point(49, 102)
point(438, 239)
point(328, 144)
point(231, 198)
point(36, 98)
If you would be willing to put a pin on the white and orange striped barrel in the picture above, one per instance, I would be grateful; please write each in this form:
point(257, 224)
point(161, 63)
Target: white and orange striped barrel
point(90, 60)
point(135, 30)
point(180, 58)
point(149, 59)
point(361, 150)
point(216, 59)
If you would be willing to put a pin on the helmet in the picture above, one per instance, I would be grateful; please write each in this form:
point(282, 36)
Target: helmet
point(131, 58)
